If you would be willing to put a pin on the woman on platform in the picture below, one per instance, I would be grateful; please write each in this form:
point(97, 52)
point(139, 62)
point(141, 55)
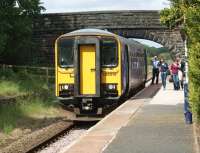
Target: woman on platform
point(174, 70)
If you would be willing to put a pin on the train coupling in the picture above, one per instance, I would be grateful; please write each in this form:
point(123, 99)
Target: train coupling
point(87, 104)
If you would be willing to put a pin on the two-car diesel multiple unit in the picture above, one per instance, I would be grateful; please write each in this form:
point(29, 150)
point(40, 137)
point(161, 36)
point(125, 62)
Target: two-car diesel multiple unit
point(95, 68)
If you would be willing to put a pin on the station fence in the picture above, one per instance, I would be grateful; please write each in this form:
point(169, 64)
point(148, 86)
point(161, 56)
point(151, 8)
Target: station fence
point(47, 73)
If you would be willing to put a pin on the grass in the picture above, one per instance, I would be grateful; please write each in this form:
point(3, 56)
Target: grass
point(9, 88)
point(25, 109)
point(20, 82)
point(8, 117)
point(37, 104)
point(38, 107)
point(8, 85)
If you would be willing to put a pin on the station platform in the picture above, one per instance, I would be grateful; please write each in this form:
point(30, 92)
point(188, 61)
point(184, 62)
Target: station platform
point(143, 124)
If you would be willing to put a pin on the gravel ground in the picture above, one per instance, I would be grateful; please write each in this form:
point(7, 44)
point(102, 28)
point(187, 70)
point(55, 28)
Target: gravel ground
point(65, 140)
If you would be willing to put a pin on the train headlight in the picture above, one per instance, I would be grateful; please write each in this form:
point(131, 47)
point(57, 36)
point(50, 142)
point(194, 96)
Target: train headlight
point(111, 86)
point(66, 87)
point(110, 90)
point(66, 90)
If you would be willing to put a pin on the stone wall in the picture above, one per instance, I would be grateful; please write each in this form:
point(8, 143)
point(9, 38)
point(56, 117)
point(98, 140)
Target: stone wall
point(132, 24)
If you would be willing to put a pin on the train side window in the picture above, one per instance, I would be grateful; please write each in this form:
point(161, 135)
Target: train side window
point(66, 52)
point(109, 52)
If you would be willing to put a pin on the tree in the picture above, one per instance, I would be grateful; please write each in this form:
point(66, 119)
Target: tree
point(173, 17)
point(16, 17)
point(185, 14)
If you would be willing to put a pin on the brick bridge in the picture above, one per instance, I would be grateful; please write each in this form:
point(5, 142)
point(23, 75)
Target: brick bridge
point(130, 24)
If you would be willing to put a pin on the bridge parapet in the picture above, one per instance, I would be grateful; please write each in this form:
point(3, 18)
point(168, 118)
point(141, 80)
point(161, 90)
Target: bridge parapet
point(131, 24)
point(104, 19)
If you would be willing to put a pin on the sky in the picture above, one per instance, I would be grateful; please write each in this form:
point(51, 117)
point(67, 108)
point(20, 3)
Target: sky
point(56, 6)
point(60, 6)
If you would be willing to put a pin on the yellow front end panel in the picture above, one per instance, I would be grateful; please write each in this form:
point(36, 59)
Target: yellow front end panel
point(65, 75)
point(112, 76)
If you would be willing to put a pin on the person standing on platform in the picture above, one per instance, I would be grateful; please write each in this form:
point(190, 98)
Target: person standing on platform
point(164, 72)
point(155, 70)
point(174, 71)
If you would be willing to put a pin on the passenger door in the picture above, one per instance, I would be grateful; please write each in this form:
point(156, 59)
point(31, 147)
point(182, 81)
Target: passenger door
point(87, 69)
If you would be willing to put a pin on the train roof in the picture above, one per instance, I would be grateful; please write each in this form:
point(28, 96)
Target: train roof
point(93, 32)
point(89, 32)
point(135, 42)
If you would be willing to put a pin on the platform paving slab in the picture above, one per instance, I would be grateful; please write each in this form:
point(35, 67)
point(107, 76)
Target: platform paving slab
point(158, 127)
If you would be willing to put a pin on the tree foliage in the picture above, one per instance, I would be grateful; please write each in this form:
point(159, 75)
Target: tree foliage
point(16, 17)
point(153, 51)
point(174, 17)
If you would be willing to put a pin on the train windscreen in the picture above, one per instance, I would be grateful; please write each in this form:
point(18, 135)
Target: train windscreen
point(108, 52)
point(66, 52)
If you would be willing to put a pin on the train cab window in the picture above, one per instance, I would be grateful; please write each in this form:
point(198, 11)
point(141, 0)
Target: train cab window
point(108, 52)
point(66, 52)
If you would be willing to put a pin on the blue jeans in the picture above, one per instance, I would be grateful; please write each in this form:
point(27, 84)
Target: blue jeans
point(176, 81)
point(163, 78)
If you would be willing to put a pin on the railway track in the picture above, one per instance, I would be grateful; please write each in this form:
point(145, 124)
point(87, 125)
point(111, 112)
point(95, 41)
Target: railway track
point(51, 138)
point(35, 139)
point(63, 139)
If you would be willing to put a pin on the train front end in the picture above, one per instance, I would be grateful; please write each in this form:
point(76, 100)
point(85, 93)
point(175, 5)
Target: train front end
point(88, 70)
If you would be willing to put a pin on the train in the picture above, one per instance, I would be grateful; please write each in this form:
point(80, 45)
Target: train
point(96, 68)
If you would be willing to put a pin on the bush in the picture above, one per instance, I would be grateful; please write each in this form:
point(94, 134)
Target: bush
point(173, 17)
point(37, 102)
